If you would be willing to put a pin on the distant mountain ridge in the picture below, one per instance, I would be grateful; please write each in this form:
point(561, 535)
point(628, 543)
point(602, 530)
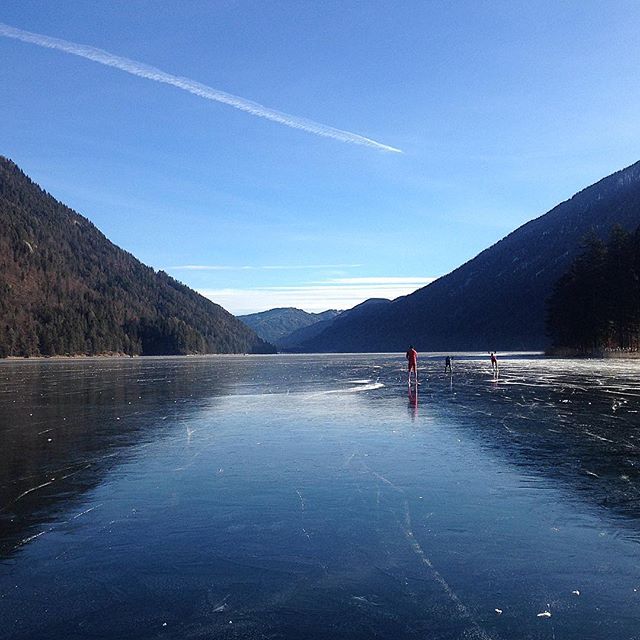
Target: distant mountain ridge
point(295, 341)
point(65, 289)
point(497, 299)
point(276, 325)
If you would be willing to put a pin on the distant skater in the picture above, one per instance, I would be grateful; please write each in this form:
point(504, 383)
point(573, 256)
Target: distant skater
point(494, 364)
point(412, 360)
point(447, 365)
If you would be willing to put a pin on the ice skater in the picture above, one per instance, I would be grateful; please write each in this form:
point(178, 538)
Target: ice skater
point(412, 360)
point(447, 366)
point(494, 364)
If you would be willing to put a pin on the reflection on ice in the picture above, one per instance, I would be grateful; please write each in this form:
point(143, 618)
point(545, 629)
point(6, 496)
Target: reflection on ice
point(319, 497)
point(366, 386)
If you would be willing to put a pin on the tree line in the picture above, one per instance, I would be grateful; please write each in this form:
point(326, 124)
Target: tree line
point(595, 305)
point(65, 289)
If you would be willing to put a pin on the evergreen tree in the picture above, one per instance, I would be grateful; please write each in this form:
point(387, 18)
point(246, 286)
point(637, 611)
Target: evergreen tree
point(65, 289)
point(596, 304)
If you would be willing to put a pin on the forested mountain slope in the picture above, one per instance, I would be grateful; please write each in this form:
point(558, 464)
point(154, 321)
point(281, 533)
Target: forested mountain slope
point(497, 300)
point(66, 289)
point(275, 324)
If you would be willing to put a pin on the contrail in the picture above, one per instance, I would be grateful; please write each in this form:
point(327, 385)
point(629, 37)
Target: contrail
point(151, 73)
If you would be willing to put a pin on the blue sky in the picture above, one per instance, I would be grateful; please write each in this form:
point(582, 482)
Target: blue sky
point(501, 109)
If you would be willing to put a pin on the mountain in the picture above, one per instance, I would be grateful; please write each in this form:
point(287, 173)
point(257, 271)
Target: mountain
point(294, 340)
point(496, 300)
point(276, 324)
point(66, 289)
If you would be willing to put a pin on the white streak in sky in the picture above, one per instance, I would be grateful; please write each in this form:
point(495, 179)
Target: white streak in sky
point(269, 267)
point(151, 73)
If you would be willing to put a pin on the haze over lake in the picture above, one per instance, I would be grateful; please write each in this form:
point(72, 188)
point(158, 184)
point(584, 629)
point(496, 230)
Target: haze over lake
point(313, 497)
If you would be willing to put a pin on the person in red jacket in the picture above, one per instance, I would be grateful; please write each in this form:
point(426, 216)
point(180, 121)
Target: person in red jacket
point(494, 365)
point(412, 359)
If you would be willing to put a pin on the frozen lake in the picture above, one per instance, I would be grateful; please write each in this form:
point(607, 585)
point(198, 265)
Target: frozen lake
point(308, 497)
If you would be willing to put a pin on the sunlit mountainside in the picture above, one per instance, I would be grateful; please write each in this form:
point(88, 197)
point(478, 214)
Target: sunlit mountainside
point(286, 326)
point(65, 289)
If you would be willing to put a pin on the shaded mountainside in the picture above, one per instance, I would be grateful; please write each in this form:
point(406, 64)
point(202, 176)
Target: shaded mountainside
point(66, 289)
point(293, 340)
point(595, 307)
point(275, 325)
point(496, 300)
point(296, 341)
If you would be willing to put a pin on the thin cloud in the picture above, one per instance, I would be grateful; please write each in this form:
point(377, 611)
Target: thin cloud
point(152, 73)
point(383, 280)
point(313, 297)
point(268, 267)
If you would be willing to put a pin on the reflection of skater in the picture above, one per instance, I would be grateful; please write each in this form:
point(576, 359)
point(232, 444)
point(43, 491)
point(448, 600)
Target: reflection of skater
point(494, 364)
point(412, 360)
point(413, 402)
point(447, 365)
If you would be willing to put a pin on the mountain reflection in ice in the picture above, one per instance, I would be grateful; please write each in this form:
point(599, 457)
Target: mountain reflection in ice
point(317, 497)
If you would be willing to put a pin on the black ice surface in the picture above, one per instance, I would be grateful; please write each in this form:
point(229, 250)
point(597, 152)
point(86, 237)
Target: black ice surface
point(318, 497)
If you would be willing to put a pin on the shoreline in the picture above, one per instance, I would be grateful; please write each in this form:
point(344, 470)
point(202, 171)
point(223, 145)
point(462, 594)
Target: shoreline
point(115, 356)
point(425, 355)
point(593, 355)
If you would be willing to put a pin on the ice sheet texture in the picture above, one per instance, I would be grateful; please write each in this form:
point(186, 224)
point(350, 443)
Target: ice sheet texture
point(319, 497)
